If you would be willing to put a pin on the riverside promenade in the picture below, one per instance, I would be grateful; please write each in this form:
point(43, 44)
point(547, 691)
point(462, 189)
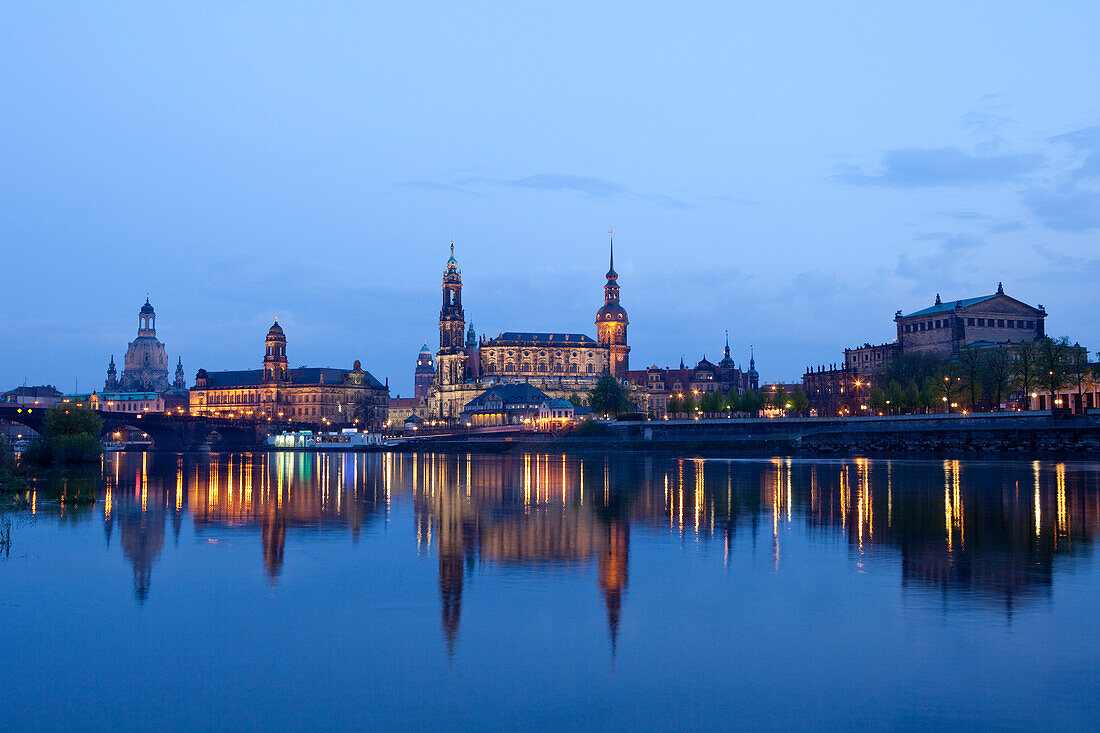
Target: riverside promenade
point(1006, 434)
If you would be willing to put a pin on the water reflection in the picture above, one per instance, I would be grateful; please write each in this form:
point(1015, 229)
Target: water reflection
point(988, 533)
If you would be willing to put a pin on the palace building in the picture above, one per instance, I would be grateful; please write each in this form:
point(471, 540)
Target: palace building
point(318, 395)
point(559, 364)
point(941, 330)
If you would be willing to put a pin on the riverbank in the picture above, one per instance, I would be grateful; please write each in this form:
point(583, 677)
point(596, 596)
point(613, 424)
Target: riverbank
point(1002, 434)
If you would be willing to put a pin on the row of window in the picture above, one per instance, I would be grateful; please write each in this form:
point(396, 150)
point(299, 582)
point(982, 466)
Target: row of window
point(250, 398)
point(542, 368)
point(982, 322)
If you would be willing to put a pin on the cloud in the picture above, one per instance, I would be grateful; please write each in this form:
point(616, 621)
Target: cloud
point(1085, 138)
point(552, 183)
point(939, 264)
point(1066, 208)
point(439, 186)
point(923, 167)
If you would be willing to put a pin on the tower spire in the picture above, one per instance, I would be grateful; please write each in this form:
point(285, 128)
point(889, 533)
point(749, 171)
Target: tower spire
point(611, 237)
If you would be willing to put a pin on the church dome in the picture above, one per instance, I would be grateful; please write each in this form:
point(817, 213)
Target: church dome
point(275, 330)
point(611, 312)
point(147, 308)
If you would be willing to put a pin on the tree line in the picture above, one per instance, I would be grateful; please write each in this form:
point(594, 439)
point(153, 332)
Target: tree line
point(980, 379)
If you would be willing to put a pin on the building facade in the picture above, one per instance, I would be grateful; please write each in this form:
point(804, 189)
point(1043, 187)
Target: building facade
point(558, 364)
point(945, 327)
point(316, 395)
point(941, 330)
point(652, 388)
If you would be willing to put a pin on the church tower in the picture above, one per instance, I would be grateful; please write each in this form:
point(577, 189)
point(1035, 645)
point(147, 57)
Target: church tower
point(181, 379)
point(424, 374)
point(111, 384)
point(451, 359)
point(611, 323)
point(275, 363)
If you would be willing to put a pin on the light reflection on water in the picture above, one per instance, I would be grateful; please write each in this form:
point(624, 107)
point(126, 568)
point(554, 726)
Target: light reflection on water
point(675, 549)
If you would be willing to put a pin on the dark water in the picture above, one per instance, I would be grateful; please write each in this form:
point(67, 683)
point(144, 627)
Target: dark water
point(551, 592)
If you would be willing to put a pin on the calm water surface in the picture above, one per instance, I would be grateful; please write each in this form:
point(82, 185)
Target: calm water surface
point(549, 592)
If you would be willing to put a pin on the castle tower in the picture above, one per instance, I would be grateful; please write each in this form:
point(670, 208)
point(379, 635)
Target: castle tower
point(424, 374)
point(611, 323)
point(473, 355)
point(754, 376)
point(181, 380)
point(275, 363)
point(451, 357)
point(111, 383)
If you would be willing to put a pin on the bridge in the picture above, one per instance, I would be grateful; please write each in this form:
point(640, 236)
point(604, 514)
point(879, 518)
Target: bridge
point(173, 433)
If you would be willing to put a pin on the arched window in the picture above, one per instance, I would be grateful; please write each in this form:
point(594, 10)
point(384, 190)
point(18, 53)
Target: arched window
point(510, 367)
point(573, 368)
point(589, 368)
point(525, 366)
point(542, 367)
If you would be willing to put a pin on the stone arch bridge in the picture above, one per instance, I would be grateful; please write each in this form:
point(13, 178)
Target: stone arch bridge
point(173, 433)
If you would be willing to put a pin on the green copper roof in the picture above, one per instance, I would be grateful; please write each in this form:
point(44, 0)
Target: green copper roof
point(949, 305)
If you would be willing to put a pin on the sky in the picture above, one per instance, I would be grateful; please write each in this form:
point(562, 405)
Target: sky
point(793, 173)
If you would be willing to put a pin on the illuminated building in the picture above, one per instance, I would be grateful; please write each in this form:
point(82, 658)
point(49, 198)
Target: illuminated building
point(941, 330)
point(652, 388)
point(559, 364)
point(145, 368)
point(319, 395)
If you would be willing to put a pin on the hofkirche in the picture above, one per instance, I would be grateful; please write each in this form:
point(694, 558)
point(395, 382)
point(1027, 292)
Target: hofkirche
point(559, 364)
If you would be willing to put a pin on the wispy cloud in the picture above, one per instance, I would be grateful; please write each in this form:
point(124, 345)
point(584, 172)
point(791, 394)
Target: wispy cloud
point(587, 185)
point(942, 263)
point(925, 167)
point(1066, 208)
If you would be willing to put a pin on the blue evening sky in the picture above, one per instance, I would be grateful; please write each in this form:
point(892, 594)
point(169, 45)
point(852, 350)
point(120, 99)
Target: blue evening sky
point(791, 172)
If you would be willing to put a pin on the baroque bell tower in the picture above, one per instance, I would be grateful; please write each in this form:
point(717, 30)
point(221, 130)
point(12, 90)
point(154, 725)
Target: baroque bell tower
point(275, 362)
point(611, 322)
point(450, 362)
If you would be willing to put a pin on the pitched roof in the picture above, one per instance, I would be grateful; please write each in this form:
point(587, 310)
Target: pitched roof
point(510, 394)
point(949, 305)
point(548, 339)
point(305, 375)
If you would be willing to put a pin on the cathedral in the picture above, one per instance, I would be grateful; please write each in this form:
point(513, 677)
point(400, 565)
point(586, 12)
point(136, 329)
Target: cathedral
point(559, 364)
point(145, 367)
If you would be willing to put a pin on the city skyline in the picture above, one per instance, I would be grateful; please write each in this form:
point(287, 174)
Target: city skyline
point(792, 181)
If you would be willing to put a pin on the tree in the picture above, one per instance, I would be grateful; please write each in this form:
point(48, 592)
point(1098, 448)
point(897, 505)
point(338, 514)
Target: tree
point(1025, 369)
point(711, 402)
point(609, 397)
point(912, 395)
point(576, 400)
point(972, 365)
point(751, 402)
point(733, 401)
point(998, 372)
point(778, 398)
point(799, 401)
point(906, 368)
point(675, 405)
point(63, 419)
point(1051, 363)
point(1078, 370)
point(877, 399)
point(688, 403)
point(894, 396)
point(949, 385)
